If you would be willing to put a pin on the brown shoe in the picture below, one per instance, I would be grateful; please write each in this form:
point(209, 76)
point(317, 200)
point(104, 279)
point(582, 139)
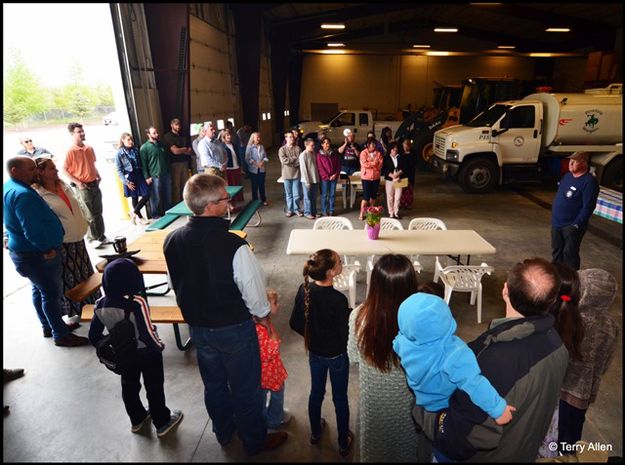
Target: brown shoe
point(71, 340)
point(275, 440)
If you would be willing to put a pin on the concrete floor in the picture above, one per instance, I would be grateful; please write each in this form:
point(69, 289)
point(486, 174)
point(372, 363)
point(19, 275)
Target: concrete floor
point(68, 407)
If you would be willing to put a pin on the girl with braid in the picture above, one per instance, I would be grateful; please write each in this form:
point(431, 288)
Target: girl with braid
point(321, 315)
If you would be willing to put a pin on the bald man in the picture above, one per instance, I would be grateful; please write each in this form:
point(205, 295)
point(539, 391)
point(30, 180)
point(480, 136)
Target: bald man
point(35, 235)
point(524, 358)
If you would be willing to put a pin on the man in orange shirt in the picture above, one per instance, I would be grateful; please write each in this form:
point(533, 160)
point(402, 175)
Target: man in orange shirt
point(79, 168)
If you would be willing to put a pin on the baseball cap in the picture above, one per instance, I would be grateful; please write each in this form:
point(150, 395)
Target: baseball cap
point(347, 132)
point(579, 156)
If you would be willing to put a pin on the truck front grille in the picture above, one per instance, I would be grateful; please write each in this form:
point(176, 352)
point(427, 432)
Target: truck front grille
point(439, 147)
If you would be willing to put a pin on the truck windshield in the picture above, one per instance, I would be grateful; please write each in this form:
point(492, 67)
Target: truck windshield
point(488, 117)
point(327, 121)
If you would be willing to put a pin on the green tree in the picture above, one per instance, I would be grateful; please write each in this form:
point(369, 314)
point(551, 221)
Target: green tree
point(23, 95)
point(104, 95)
point(80, 98)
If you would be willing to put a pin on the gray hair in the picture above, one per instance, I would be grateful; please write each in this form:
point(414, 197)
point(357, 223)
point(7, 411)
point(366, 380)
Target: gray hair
point(200, 190)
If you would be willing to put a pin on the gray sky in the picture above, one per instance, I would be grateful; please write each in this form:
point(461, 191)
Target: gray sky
point(50, 36)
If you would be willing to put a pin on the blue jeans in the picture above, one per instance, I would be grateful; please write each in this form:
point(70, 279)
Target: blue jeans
point(273, 411)
point(339, 377)
point(160, 193)
point(46, 277)
point(349, 169)
point(258, 185)
point(310, 199)
point(229, 362)
point(327, 196)
point(291, 191)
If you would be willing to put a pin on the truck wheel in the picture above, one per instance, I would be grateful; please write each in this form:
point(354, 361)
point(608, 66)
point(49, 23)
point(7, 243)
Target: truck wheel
point(428, 153)
point(613, 175)
point(478, 176)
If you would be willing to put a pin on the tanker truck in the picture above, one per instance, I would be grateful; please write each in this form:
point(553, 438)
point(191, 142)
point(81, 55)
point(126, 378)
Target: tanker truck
point(518, 140)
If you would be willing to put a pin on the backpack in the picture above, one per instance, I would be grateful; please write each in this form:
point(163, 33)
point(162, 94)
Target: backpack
point(117, 348)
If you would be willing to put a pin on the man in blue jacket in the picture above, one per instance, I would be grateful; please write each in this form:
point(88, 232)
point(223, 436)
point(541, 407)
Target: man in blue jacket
point(572, 207)
point(35, 237)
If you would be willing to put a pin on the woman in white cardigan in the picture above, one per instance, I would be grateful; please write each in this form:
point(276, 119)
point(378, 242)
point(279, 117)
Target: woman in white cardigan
point(77, 265)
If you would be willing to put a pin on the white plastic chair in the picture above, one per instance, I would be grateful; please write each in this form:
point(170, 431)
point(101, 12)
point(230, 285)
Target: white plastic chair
point(386, 224)
point(333, 222)
point(465, 278)
point(346, 281)
point(426, 224)
point(342, 187)
point(354, 189)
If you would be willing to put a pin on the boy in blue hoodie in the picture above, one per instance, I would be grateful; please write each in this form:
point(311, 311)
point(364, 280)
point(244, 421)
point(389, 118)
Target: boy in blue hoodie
point(437, 362)
point(122, 282)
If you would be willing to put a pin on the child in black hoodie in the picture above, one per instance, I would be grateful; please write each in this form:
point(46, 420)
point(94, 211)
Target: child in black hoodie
point(122, 282)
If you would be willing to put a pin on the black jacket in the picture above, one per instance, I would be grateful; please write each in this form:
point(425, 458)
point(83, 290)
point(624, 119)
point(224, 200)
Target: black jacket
point(199, 259)
point(389, 167)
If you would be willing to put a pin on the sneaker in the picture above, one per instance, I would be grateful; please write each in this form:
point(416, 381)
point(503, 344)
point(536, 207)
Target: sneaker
point(47, 332)
point(73, 325)
point(265, 203)
point(174, 419)
point(344, 452)
point(136, 428)
point(316, 439)
point(10, 375)
point(71, 340)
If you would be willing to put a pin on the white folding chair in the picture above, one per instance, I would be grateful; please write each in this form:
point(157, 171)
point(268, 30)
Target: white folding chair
point(386, 224)
point(465, 278)
point(426, 224)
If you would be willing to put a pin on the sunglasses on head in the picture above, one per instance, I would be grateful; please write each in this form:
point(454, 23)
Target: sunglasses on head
point(28, 141)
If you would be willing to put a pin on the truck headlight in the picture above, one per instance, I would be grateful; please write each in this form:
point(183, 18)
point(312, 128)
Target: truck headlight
point(451, 155)
point(454, 145)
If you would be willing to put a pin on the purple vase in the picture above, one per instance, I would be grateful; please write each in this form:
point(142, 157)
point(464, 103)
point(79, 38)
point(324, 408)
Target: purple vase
point(373, 232)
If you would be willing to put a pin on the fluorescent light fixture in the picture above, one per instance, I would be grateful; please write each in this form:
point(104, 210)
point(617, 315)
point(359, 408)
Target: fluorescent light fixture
point(220, 124)
point(485, 4)
point(437, 54)
point(336, 44)
point(445, 29)
point(506, 46)
point(558, 29)
point(541, 54)
point(333, 52)
point(333, 26)
point(421, 46)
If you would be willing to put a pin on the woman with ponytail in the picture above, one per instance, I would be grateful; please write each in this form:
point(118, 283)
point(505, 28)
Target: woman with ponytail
point(321, 315)
point(570, 327)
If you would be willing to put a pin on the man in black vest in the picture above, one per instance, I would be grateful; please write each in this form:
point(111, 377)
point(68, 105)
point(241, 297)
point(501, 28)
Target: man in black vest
point(219, 285)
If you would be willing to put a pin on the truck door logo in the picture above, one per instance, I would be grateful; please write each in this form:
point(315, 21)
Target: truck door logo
point(592, 121)
point(519, 141)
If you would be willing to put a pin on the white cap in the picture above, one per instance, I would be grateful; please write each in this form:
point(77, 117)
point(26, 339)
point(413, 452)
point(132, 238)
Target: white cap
point(347, 132)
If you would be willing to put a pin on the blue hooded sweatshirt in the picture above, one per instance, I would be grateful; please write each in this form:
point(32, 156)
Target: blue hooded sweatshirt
point(122, 282)
point(436, 361)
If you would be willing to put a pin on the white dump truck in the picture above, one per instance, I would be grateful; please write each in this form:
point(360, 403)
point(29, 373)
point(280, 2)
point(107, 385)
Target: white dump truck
point(360, 122)
point(516, 140)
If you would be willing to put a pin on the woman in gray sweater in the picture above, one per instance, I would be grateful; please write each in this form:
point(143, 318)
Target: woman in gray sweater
point(387, 431)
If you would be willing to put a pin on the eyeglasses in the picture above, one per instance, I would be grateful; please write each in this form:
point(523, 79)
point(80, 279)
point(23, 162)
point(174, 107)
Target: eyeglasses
point(28, 141)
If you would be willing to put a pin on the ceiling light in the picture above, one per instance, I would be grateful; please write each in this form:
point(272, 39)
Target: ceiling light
point(506, 46)
point(558, 29)
point(485, 4)
point(333, 26)
point(421, 46)
point(541, 54)
point(333, 52)
point(437, 54)
point(336, 45)
point(445, 29)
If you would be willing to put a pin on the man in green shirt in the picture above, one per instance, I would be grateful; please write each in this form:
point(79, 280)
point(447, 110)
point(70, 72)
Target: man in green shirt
point(155, 166)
